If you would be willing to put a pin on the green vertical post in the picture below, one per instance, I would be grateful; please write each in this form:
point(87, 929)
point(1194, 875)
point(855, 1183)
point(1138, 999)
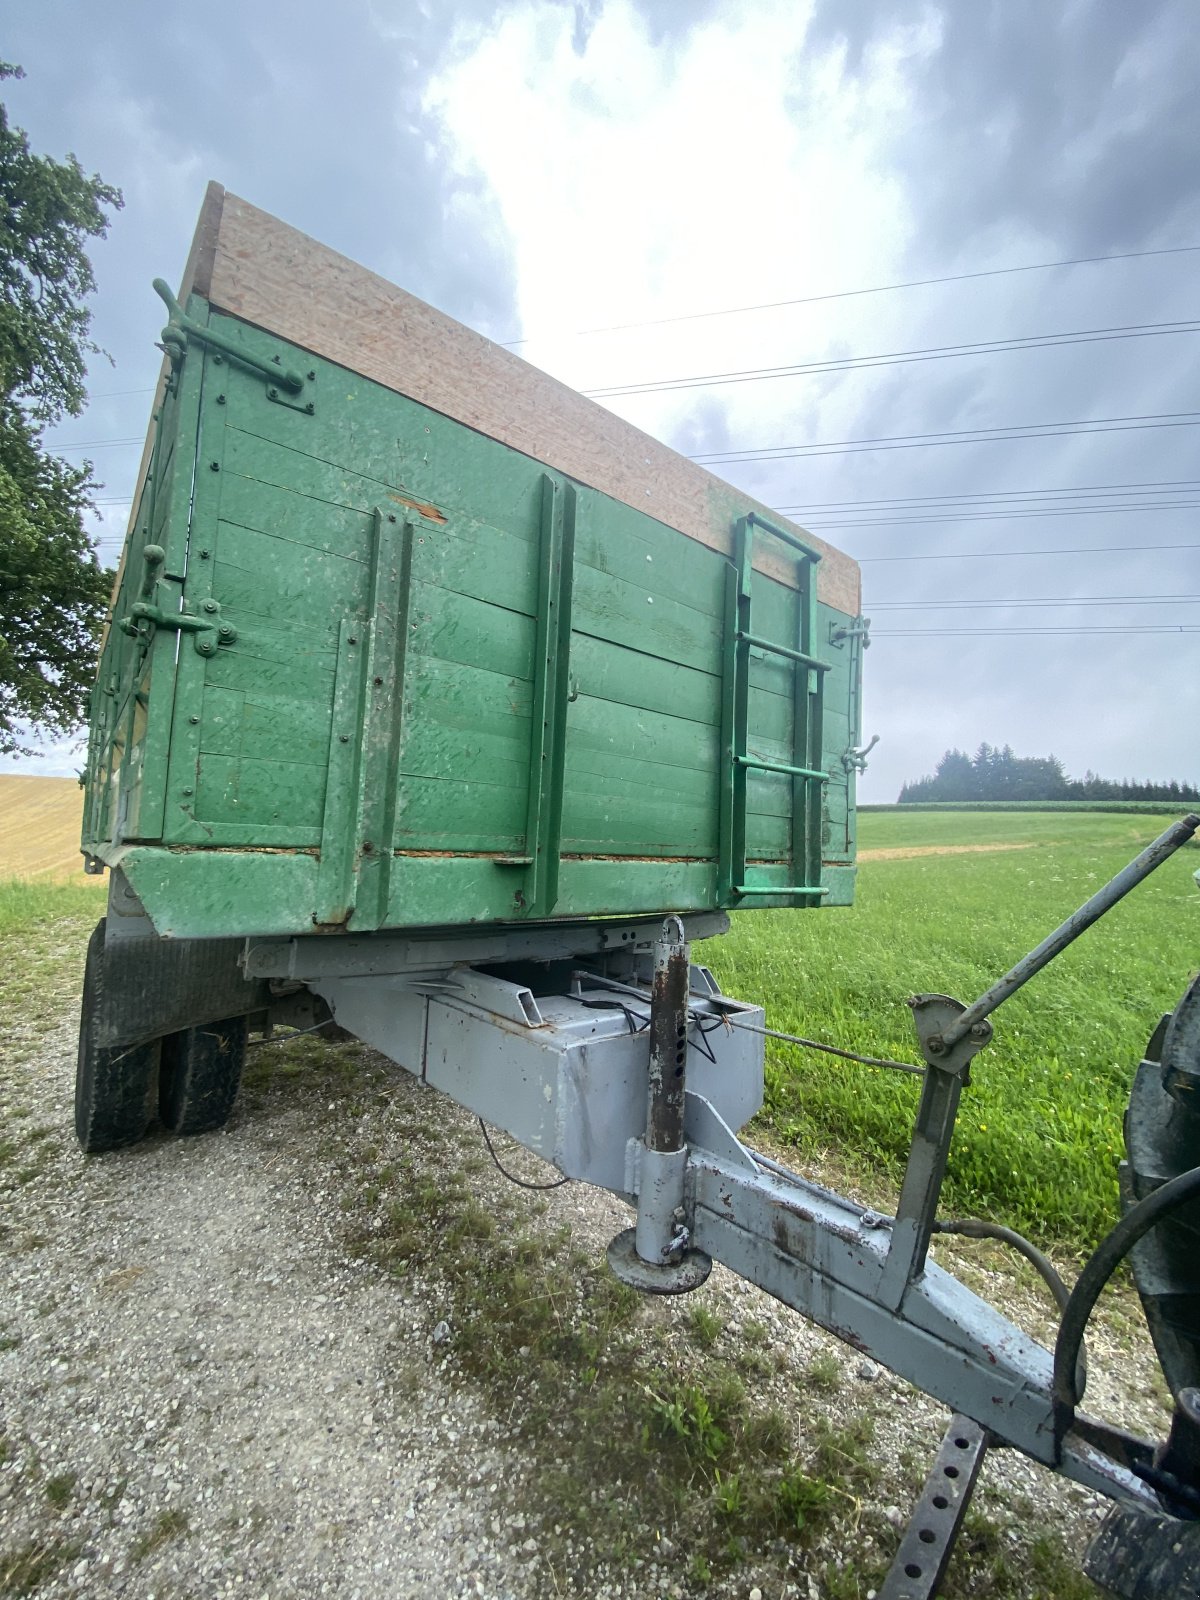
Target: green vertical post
point(548, 730)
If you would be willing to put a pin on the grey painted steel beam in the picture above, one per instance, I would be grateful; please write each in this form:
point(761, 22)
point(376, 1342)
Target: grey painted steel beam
point(332, 956)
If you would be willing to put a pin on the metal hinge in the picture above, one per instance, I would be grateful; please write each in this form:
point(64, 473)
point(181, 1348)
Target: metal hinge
point(285, 386)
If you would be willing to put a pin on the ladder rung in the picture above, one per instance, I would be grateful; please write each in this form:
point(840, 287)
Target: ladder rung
point(784, 650)
point(779, 766)
point(754, 888)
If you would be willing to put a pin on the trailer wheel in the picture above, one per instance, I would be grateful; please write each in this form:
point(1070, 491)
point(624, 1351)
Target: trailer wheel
point(199, 1077)
point(114, 1084)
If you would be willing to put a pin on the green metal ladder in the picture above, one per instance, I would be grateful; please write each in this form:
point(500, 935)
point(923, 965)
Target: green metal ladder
point(736, 761)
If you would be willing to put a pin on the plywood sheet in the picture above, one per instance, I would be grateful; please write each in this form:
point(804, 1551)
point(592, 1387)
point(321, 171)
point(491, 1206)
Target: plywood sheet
point(256, 267)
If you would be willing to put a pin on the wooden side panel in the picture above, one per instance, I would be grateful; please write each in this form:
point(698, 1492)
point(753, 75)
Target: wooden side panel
point(270, 275)
point(289, 509)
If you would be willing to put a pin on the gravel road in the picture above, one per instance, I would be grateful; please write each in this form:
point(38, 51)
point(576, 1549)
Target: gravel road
point(204, 1391)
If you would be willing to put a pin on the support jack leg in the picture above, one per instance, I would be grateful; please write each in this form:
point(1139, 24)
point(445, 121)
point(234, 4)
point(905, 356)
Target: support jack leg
point(929, 1540)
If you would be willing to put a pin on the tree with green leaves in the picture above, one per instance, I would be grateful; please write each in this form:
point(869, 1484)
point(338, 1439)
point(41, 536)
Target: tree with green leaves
point(53, 592)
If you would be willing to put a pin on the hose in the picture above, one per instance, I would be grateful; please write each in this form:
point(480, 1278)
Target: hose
point(1100, 1267)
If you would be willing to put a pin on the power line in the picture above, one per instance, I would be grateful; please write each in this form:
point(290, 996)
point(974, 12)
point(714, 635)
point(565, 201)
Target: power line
point(818, 525)
point(1149, 485)
point(896, 358)
point(912, 441)
point(881, 288)
point(995, 633)
point(1038, 600)
point(93, 444)
point(1006, 555)
point(117, 394)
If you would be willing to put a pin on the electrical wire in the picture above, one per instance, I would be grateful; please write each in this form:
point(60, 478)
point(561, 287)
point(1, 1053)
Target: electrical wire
point(1036, 600)
point(293, 1033)
point(994, 633)
point(512, 1177)
point(1008, 555)
point(832, 525)
point(1076, 490)
point(896, 358)
point(880, 288)
point(911, 441)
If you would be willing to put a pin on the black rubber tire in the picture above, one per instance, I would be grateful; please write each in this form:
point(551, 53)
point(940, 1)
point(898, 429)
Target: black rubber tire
point(114, 1085)
point(199, 1076)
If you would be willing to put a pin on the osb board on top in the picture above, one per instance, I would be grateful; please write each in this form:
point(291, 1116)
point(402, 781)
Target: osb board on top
point(248, 263)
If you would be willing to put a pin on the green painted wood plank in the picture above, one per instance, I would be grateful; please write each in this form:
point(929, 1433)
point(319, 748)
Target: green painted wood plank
point(239, 722)
point(650, 736)
point(602, 824)
point(461, 629)
point(486, 564)
point(608, 671)
point(435, 814)
point(611, 608)
point(617, 541)
point(278, 793)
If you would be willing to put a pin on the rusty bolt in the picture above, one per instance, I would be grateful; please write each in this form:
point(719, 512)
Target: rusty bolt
point(214, 466)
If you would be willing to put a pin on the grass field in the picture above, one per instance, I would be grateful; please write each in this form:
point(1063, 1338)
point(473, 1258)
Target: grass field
point(946, 902)
point(1039, 1130)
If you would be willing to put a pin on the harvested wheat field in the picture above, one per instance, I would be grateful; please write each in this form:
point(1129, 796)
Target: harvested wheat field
point(40, 822)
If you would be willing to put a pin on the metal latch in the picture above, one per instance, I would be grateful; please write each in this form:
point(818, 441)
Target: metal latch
point(839, 632)
point(856, 760)
point(209, 630)
point(285, 385)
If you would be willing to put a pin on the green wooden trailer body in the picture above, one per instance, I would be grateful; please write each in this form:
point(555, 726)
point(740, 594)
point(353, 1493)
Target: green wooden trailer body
point(383, 656)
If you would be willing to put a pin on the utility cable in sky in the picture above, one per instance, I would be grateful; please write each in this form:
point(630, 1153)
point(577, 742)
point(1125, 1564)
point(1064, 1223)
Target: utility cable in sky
point(995, 633)
point(1024, 513)
point(1036, 600)
point(880, 288)
point(912, 441)
point(1146, 486)
point(897, 358)
point(1009, 555)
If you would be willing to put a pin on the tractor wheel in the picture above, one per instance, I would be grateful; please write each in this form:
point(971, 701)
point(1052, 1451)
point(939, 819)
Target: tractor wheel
point(114, 1084)
point(199, 1077)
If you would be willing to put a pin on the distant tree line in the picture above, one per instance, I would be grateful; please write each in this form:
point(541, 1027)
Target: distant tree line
point(993, 773)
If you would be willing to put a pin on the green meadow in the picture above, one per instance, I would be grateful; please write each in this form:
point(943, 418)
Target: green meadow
point(1039, 1130)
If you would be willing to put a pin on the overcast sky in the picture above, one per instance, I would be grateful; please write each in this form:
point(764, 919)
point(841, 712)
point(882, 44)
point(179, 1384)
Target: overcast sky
point(597, 180)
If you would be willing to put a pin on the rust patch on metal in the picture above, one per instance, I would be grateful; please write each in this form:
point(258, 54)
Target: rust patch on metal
point(423, 506)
